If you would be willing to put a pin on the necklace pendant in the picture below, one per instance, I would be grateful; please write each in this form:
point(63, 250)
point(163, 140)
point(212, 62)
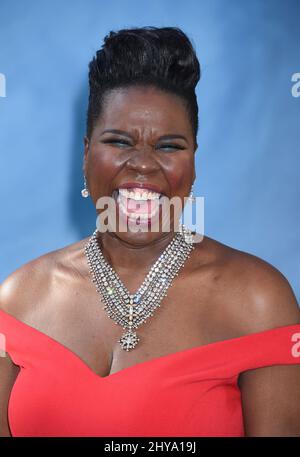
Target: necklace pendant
point(129, 340)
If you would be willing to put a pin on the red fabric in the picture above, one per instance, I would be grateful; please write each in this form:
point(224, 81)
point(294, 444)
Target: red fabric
point(192, 392)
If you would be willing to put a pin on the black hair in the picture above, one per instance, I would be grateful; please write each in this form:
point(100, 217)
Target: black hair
point(161, 57)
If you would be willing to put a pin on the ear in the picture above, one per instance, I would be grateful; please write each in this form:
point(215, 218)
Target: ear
point(195, 146)
point(194, 175)
point(194, 171)
point(86, 143)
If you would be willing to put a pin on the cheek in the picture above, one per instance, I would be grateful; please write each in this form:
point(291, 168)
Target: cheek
point(180, 174)
point(102, 168)
point(103, 162)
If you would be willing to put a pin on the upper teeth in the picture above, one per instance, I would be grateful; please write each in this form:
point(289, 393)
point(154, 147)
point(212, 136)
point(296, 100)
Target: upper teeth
point(138, 194)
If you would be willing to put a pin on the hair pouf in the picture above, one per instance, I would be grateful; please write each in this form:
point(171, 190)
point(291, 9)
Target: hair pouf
point(160, 57)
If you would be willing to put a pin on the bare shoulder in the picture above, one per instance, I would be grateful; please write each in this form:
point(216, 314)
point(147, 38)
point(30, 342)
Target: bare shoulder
point(27, 288)
point(270, 299)
point(254, 294)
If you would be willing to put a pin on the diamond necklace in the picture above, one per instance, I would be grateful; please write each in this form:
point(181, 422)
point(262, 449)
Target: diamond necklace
point(132, 310)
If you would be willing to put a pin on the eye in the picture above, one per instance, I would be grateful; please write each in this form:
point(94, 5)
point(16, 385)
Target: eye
point(123, 143)
point(170, 147)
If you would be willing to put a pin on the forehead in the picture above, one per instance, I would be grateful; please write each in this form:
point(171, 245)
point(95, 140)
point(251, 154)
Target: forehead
point(144, 107)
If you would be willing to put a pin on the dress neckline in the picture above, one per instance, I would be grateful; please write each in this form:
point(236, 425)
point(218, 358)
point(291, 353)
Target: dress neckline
point(173, 355)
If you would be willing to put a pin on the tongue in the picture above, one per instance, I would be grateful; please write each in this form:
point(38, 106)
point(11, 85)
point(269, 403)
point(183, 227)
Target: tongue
point(138, 206)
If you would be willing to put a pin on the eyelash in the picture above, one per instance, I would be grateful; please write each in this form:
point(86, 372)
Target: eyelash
point(173, 146)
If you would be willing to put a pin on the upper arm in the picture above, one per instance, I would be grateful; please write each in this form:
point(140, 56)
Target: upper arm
point(16, 298)
point(271, 401)
point(271, 395)
point(8, 374)
point(8, 370)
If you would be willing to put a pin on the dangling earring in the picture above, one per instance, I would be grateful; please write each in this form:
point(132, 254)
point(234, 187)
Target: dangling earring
point(189, 237)
point(85, 192)
point(191, 197)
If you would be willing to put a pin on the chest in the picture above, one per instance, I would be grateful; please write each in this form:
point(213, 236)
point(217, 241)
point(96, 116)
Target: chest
point(187, 317)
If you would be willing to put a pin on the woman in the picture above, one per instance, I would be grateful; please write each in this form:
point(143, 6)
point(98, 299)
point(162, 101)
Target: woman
point(220, 357)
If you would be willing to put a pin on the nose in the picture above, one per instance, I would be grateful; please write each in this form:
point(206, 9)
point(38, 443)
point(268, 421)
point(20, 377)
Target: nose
point(143, 161)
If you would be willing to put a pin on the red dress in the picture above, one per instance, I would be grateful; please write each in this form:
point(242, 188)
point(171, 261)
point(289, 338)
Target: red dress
point(193, 392)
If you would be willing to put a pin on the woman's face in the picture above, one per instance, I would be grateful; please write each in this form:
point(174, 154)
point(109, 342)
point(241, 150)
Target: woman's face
point(142, 139)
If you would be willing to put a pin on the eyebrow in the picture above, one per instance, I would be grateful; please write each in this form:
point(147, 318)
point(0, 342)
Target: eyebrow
point(170, 136)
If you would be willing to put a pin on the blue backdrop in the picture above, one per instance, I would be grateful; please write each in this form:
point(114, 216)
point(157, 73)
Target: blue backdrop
point(248, 156)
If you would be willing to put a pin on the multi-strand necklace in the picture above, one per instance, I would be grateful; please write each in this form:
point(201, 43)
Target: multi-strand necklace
point(132, 310)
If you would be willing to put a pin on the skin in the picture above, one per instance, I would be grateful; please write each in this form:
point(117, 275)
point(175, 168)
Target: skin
point(226, 293)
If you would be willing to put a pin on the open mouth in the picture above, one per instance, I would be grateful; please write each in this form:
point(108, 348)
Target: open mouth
point(140, 204)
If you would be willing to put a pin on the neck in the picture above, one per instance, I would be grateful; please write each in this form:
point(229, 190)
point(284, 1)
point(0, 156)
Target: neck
point(123, 255)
